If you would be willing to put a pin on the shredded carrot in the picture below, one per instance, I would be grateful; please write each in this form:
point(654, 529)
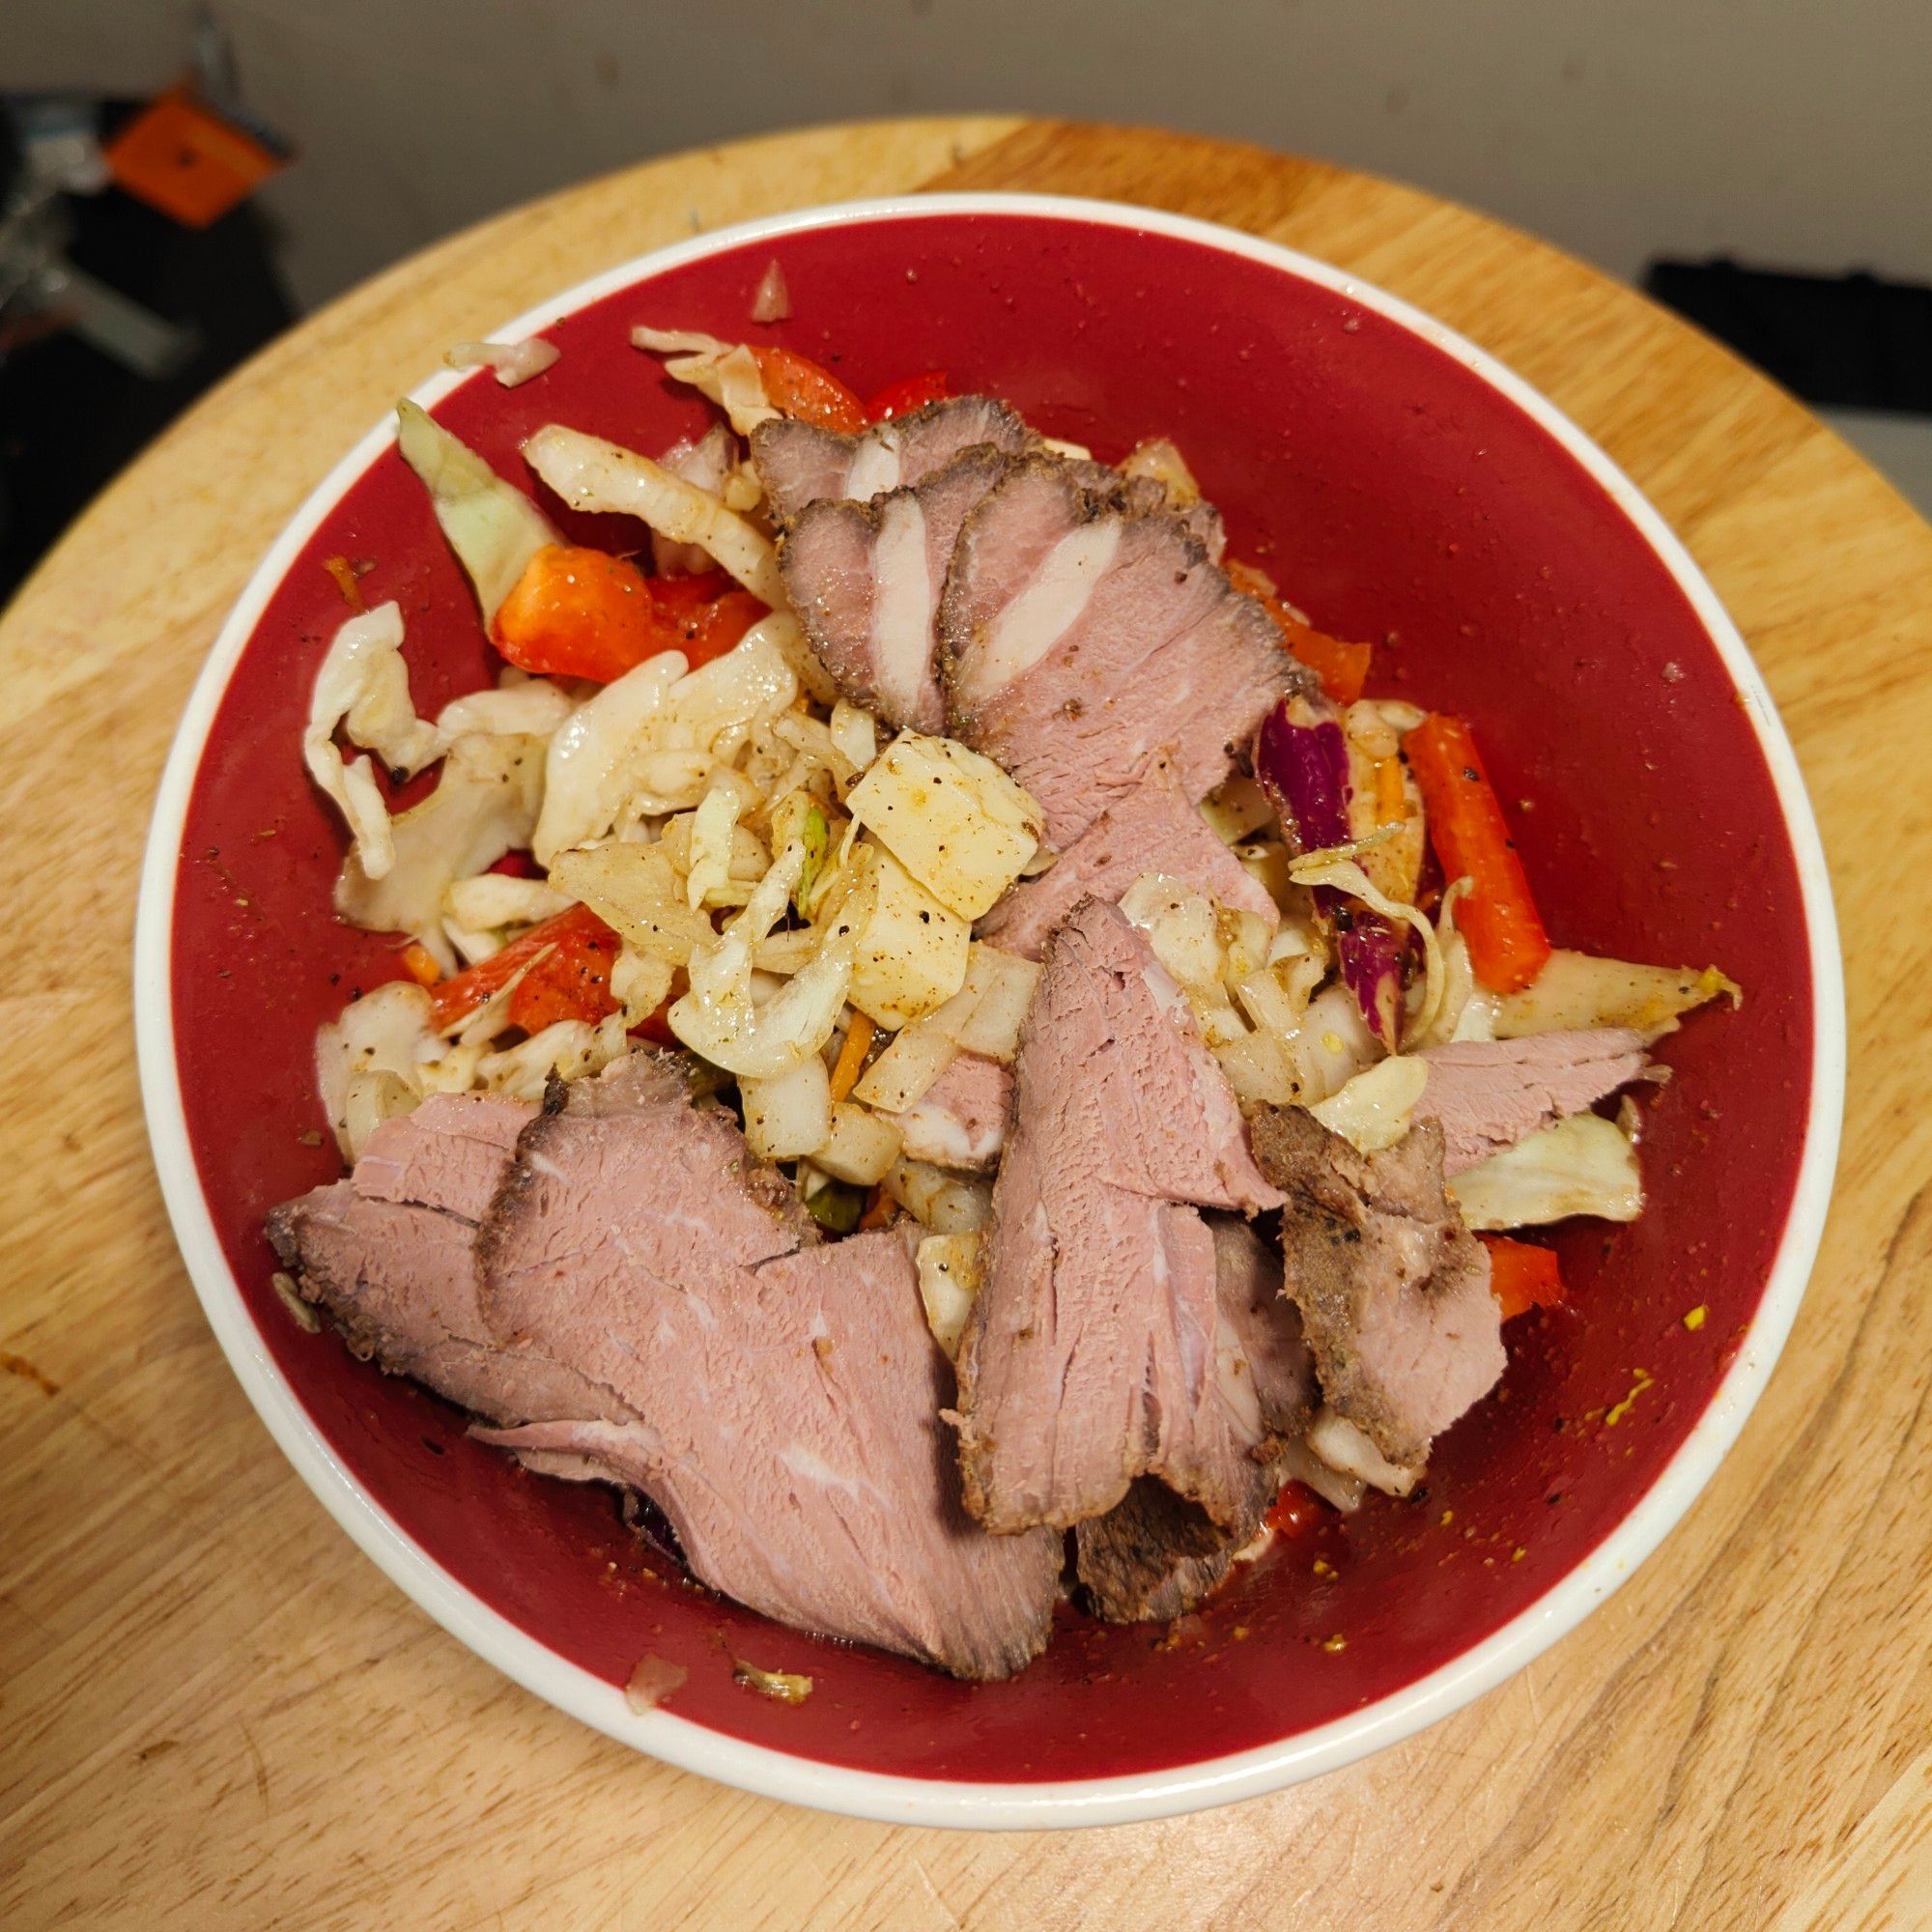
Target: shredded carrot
point(1343, 668)
point(1521, 1276)
point(419, 963)
point(1391, 800)
point(1507, 943)
point(880, 1208)
point(346, 580)
point(851, 1058)
point(799, 387)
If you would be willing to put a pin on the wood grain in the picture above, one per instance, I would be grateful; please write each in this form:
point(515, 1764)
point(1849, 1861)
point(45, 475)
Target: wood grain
point(215, 1713)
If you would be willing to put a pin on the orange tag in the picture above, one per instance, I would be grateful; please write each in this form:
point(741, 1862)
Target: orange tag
point(188, 162)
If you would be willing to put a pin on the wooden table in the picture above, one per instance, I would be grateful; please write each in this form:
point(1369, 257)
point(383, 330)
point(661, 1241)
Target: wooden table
point(216, 1714)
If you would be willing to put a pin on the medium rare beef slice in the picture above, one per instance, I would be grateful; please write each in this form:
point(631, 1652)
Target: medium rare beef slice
point(1079, 640)
point(788, 1394)
point(1394, 1291)
point(1144, 496)
point(1157, 1554)
point(1153, 827)
point(801, 464)
point(1489, 1094)
point(960, 1121)
point(391, 1255)
point(865, 580)
point(1090, 1358)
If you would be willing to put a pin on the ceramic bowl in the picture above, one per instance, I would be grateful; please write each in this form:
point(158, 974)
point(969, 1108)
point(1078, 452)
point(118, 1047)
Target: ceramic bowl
point(1402, 486)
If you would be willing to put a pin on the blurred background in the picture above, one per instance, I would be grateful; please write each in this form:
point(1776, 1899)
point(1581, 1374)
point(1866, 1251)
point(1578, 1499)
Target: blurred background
point(181, 182)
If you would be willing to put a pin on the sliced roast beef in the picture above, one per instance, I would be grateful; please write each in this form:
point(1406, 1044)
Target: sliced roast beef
point(1394, 1291)
point(1144, 496)
point(1090, 1359)
point(799, 463)
point(788, 1394)
point(391, 1255)
point(1489, 1094)
point(1157, 1554)
point(1079, 640)
point(1151, 828)
point(865, 578)
point(960, 1121)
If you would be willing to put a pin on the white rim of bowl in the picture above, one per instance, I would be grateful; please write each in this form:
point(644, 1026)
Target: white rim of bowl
point(877, 1795)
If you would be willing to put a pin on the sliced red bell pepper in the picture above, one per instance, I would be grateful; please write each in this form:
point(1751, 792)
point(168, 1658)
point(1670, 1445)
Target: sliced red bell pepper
point(1343, 668)
point(913, 392)
point(1498, 919)
point(578, 612)
point(573, 982)
point(1295, 1509)
point(799, 386)
point(581, 612)
point(1521, 1276)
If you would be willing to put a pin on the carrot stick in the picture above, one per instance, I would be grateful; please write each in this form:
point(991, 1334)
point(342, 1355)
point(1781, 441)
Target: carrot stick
point(851, 1058)
point(1507, 943)
point(1521, 1276)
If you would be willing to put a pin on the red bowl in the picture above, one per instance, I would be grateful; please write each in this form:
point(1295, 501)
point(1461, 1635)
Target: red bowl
point(1402, 486)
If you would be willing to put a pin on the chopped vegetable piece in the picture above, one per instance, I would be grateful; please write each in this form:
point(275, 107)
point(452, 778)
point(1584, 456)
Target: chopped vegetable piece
point(571, 981)
point(582, 612)
point(1343, 668)
point(343, 574)
point(1575, 989)
point(785, 1687)
point(591, 475)
point(951, 816)
point(1498, 920)
point(798, 387)
point(950, 1269)
point(837, 1206)
point(1521, 1276)
point(1295, 1509)
point(1583, 1165)
point(772, 302)
point(494, 528)
point(1301, 760)
point(791, 1116)
point(852, 1053)
point(860, 1148)
point(881, 1211)
point(570, 933)
point(914, 392)
point(419, 963)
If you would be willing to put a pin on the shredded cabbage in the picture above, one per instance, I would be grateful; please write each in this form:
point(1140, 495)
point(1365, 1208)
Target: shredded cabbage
point(363, 686)
point(950, 1268)
point(1339, 868)
point(718, 1017)
point(1585, 1165)
point(1573, 989)
point(494, 528)
point(1372, 1111)
point(726, 371)
point(590, 473)
point(514, 362)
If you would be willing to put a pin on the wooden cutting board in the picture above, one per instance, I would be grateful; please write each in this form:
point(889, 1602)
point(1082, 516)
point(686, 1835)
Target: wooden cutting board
point(216, 1714)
